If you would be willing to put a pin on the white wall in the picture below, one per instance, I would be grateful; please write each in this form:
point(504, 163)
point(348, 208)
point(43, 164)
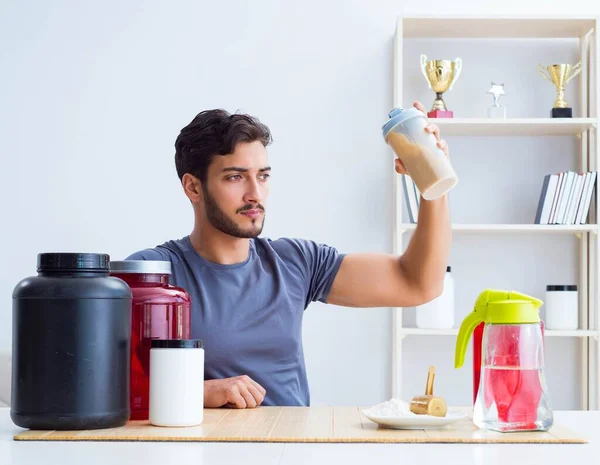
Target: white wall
point(93, 96)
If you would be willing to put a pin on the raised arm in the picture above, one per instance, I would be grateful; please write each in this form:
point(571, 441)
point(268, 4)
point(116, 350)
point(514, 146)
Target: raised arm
point(415, 277)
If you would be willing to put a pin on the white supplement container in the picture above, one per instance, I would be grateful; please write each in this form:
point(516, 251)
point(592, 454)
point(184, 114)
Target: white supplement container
point(426, 164)
point(176, 382)
point(439, 312)
point(562, 307)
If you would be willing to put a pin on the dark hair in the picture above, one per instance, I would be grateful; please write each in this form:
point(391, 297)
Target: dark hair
point(211, 133)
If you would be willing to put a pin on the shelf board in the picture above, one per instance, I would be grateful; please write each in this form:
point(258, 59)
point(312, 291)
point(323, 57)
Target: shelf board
point(470, 27)
point(516, 228)
point(454, 332)
point(514, 126)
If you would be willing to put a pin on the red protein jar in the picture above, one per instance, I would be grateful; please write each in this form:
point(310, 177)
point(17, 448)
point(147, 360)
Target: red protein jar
point(159, 311)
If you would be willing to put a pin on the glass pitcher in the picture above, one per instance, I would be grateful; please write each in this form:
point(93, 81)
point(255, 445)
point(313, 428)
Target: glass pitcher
point(512, 393)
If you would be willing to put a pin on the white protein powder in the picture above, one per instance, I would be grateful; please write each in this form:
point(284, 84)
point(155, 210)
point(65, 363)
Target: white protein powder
point(392, 408)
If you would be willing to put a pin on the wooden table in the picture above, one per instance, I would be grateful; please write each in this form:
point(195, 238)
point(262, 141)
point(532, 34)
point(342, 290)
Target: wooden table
point(165, 453)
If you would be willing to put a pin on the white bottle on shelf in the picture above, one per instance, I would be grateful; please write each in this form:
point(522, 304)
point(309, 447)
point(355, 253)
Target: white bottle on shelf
point(562, 307)
point(439, 312)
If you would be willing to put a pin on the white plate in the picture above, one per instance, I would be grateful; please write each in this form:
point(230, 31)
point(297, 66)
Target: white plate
point(417, 421)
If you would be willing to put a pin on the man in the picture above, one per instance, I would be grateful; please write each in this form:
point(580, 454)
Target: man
point(249, 293)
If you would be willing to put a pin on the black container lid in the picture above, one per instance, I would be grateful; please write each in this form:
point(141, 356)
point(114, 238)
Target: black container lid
point(177, 344)
point(73, 261)
point(448, 269)
point(561, 287)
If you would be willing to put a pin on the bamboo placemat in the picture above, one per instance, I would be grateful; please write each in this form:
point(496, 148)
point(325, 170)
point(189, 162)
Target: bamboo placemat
point(301, 424)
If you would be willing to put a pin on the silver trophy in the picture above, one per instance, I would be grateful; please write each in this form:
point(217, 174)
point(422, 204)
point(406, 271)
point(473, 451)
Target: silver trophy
point(497, 110)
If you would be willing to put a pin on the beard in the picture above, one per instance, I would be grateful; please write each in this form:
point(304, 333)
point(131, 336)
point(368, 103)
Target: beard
point(217, 217)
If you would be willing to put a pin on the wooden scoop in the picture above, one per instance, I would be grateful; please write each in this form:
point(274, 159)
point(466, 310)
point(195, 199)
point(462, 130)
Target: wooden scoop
point(429, 404)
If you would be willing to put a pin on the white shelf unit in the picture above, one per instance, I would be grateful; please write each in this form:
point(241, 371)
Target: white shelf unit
point(584, 127)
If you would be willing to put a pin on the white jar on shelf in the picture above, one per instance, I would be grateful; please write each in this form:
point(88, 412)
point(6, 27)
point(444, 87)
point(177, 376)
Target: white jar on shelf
point(562, 307)
point(439, 312)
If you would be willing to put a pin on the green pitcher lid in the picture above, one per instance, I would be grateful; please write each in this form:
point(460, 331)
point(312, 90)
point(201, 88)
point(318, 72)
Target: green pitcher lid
point(511, 312)
point(496, 307)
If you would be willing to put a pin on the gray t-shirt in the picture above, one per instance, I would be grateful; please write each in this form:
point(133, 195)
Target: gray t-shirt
point(249, 315)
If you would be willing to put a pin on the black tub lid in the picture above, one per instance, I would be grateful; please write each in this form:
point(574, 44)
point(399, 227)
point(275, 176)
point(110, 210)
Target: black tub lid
point(561, 287)
point(177, 344)
point(72, 261)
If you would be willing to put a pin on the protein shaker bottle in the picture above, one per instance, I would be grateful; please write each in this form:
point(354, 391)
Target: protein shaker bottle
point(425, 162)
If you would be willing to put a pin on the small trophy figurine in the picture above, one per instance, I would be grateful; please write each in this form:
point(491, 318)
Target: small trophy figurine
point(497, 110)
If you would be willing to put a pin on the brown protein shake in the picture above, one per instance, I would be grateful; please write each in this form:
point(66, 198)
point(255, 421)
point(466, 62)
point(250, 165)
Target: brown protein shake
point(425, 162)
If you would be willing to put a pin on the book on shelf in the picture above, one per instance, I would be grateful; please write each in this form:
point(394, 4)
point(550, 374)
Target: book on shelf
point(411, 197)
point(565, 198)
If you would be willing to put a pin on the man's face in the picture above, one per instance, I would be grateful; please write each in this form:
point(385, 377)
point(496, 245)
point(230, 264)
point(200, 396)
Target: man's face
point(237, 187)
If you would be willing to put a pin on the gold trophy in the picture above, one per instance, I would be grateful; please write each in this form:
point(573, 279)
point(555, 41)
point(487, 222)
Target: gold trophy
point(560, 75)
point(441, 76)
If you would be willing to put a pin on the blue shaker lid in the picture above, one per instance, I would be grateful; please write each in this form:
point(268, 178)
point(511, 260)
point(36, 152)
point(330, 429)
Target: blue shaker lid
point(398, 116)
